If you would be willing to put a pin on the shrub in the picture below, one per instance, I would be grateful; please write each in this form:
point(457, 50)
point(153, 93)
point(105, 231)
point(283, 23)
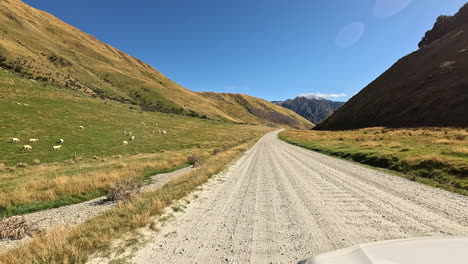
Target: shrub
point(36, 162)
point(194, 160)
point(459, 136)
point(17, 227)
point(124, 191)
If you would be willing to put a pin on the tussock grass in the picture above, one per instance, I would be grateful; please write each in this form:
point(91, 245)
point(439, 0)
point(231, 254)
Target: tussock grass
point(435, 156)
point(75, 245)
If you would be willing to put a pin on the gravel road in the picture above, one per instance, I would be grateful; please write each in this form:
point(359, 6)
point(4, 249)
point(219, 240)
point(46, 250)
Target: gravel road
point(281, 203)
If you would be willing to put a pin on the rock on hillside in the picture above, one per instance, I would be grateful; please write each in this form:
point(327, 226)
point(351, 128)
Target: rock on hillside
point(428, 87)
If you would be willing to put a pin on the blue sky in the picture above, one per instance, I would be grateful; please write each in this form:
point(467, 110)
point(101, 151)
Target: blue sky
point(273, 49)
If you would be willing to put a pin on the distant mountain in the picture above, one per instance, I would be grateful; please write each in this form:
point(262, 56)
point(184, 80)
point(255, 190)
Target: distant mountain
point(41, 47)
point(428, 87)
point(314, 109)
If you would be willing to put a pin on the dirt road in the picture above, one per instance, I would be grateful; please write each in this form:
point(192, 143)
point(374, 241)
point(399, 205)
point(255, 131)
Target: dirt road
point(281, 204)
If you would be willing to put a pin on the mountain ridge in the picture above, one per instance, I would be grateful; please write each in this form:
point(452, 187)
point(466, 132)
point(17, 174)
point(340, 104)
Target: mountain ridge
point(40, 46)
point(314, 109)
point(425, 88)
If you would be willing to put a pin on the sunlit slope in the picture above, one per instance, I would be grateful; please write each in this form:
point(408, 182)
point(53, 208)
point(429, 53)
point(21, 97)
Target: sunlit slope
point(425, 88)
point(42, 47)
point(38, 110)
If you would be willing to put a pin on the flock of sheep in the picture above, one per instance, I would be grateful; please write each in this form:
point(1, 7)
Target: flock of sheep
point(35, 140)
point(61, 141)
point(132, 138)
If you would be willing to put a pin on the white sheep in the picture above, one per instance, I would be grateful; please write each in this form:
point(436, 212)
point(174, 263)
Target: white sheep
point(57, 148)
point(81, 127)
point(26, 104)
point(124, 142)
point(153, 132)
point(164, 132)
point(27, 147)
point(15, 140)
point(125, 132)
point(132, 138)
point(60, 141)
point(129, 133)
point(33, 140)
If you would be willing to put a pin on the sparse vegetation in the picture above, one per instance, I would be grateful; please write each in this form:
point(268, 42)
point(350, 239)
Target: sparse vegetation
point(124, 190)
point(17, 228)
point(194, 160)
point(435, 156)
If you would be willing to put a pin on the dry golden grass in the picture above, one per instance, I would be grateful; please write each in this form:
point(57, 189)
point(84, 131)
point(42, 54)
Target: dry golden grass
point(436, 154)
point(75, 245)
point(460, 150)
point(48, 183)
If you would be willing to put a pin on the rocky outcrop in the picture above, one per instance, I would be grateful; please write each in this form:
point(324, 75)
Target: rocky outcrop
point(444, 25)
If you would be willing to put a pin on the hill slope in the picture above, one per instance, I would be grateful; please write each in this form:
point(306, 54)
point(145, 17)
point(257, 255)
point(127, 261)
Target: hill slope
point(313, 109)
point(42, 47)
point(426, 88)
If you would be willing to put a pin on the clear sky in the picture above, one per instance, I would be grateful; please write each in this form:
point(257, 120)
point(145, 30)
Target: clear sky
point(273, 49)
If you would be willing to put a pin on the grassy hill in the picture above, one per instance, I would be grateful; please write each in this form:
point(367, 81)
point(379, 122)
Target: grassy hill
point(41, 47)
point(425, 88)
point(92, 159)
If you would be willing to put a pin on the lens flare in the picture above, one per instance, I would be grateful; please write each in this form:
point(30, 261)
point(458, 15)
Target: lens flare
point(350, 35)
point(388, 8)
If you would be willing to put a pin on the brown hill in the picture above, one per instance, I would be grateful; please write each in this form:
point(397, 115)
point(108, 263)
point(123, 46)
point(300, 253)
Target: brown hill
point(426, 88)
point(42, 47)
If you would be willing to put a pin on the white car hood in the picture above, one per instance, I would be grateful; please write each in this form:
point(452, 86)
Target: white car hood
point(446, 250)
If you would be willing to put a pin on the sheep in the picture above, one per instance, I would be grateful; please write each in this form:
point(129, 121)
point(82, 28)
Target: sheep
point(26, 105)
point(27, 147)
point(124, 142)
point(129, 133)
point(81, 127)
point(60, 141)
point(57, 148)
point(153, 132)
point(33, 140)
point(15, 140)
point(132, 138)
point(125, 132)
point(164, 132)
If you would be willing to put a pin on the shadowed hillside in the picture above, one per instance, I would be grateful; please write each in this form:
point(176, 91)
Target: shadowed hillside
point(426, 88)
point(39, 46)
point(312, 109)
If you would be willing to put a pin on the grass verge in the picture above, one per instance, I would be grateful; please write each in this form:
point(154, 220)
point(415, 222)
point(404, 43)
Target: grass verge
point(434, 156)
point(77, 244)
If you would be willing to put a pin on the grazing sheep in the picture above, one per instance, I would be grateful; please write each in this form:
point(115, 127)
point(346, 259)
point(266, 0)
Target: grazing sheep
point(26, 104)
point(124, 142)
point(132, 138)
point(81, 127)
point(164, 132)
point(153, 132)
point(129, 133)
point(33, 140)
point(15, 140)
point(27, 147)
point(60, 141)
point(57, 148)
point(18, 103)
point(125, 132)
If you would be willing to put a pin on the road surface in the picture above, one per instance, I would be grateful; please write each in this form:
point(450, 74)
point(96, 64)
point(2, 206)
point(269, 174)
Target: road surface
point(281, 203)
